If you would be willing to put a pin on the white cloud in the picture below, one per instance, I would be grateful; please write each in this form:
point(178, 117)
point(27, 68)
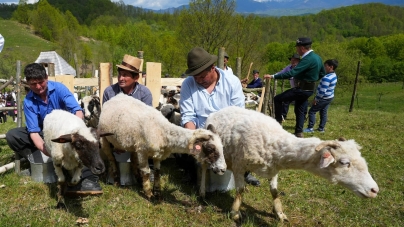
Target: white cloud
point(16, 1)
point(146, 4)
point(156, 4)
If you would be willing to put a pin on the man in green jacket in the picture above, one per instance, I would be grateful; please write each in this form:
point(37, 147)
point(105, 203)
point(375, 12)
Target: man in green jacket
point(309, 70)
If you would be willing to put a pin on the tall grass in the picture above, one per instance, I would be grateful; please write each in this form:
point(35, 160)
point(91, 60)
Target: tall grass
point(376, 123)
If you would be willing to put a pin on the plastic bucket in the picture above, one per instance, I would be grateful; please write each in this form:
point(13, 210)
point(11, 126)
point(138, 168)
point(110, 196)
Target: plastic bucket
point(42, 169)
point(215, 182)
point(125, 169)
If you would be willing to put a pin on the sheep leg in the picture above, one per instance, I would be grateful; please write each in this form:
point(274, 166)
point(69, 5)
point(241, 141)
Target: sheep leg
point(202, 189)
point(157, 183)
point(277, 209)
point(76, 175)
point(62, 186)
point(134, 160)
point(112, 169)
point(239, 183)
point(145, 174)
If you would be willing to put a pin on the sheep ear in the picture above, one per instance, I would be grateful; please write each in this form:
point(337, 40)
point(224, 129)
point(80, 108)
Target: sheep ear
point(211, 128)
point(63, 139)
point(332, 144)
point(197, 148)
point(326, 159)
point(106, 134)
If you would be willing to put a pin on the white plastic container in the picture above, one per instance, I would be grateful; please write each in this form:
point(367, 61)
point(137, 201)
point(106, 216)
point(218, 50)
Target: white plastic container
point(215, 182)
point(42, 169)
point(125, 169)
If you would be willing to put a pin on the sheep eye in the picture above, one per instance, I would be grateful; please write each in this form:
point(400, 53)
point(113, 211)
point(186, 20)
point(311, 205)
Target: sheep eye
point(344, 162)
point(78, 145)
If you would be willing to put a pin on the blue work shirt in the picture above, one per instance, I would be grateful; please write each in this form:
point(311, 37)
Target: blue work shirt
point(35, 109)
point(196, 104)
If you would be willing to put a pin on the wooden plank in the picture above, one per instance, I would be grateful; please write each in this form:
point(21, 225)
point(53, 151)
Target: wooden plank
point(51, 78)
point(153, 80)
point(171, 81)
point(86, 81)
point(104, 78)
point(67, 80)
point(261, 100)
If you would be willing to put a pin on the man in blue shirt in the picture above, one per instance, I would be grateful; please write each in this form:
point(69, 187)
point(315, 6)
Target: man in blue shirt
point(206, 90)
point(44, 97)
point(256, 82)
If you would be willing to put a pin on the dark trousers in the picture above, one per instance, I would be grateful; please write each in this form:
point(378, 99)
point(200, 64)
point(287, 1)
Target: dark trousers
point(300, 97)
point(20, 142)
point(3, 117)
point(322, 107)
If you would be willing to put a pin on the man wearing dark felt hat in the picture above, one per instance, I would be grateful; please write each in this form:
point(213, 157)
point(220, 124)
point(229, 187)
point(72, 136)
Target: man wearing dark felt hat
point(309, 70)
point(206, 90)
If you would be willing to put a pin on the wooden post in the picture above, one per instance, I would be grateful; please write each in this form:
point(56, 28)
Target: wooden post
point(266, 96)
point(105, 78)
point(76, 65)
point(153, 80)
point(140, 80)
point(220, 63)
point(51, 69)
point(272, 98)
point(238, 69)
point(17, 161)
point(355, 85)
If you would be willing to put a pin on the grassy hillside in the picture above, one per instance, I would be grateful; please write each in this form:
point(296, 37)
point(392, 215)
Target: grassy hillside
point(20, 44)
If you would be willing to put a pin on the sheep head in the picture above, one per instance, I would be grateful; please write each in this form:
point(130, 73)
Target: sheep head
point(86, 149)
point(206, 146)
point(342, 163)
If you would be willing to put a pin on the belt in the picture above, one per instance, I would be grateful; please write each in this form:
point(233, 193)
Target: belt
point(305, 85)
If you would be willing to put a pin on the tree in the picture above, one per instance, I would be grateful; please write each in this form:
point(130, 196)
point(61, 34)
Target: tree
point(22, 13)
point(207, 24)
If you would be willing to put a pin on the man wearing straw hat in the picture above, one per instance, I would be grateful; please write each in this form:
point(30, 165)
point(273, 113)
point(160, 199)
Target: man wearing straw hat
point(206, 90)
point(128, 75)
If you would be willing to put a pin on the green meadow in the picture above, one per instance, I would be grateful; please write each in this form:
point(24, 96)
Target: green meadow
point(376, 123)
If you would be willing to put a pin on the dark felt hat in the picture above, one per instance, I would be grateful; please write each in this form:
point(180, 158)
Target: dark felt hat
point(198, 60)
point(255, 71)
point(226, 55)
point(297, 56)
point(303, 41)
point(130, 63)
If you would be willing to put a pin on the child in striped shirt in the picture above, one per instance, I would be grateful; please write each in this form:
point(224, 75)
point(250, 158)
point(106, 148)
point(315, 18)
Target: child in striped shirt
point(324, 96)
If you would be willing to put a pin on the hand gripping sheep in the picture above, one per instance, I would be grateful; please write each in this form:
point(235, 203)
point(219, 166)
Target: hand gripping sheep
point(144, 131)
point(71, 145)
point(255, 142)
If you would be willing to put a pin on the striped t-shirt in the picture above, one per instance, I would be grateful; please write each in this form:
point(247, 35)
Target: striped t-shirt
point(325, 89)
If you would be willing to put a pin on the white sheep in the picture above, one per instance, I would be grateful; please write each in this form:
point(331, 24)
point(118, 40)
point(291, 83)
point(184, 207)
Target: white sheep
point(71, 145)
point(144, 131)
point(92, 110)
point(255, 142)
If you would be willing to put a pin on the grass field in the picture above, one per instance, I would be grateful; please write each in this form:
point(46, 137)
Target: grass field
point(376, 123)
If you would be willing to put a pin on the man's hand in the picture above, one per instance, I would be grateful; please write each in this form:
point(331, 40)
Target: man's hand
point(44, 151)
point(267, 76)
point(314, 102)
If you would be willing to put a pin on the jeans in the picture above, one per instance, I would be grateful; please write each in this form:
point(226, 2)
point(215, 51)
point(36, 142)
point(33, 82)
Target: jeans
point(322, 107)
point(300, 97)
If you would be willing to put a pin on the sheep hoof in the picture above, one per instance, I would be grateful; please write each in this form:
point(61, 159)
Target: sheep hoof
point(235, 215)
point(61, 204)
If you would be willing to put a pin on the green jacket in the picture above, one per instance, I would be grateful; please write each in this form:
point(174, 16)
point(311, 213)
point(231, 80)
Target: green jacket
point(310, 69)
